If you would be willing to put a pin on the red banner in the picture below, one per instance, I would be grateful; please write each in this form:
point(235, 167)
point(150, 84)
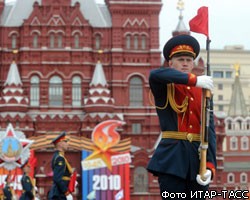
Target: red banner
point(199, 23)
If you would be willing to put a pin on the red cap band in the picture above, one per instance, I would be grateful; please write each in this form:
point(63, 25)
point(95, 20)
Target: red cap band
point(182, 49)
point(60, 139)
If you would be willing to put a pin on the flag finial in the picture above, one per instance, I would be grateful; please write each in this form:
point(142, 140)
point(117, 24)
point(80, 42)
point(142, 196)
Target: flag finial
point(180, 6)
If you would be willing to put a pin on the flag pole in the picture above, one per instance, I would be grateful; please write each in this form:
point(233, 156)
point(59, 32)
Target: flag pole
point(199, 24)
point(205, 116)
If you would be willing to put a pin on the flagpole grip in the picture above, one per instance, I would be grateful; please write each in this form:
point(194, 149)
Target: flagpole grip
point(203, 161)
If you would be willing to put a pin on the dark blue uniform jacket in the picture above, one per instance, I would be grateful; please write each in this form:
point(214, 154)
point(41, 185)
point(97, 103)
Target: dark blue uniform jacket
point(173, 156)
point(28, 187)
point(7, 193)
point(60, 172)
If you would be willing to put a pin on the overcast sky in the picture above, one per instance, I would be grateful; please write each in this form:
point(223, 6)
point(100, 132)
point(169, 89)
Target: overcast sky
point(228, 21)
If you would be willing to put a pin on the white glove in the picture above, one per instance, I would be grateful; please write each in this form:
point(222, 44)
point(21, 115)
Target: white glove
point(207, 176)
point(69, 197)
point(205, 81)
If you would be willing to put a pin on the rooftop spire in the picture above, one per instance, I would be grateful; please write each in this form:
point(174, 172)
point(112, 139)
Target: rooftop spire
point(237, 69)
point(237, 106)
point(181, 28)
point(98, 76)
point(99, 99)
point(13, 77)
point(13, 98)
point(180, 7)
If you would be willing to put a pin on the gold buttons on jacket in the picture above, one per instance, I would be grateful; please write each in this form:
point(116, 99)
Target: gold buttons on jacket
point(190, 126)
point(192, 98)
point(188, 87)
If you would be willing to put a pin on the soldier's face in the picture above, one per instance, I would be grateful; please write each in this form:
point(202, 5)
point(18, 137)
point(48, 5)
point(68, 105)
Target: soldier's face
point(182, 63)
point(8, 180)
point(27, 169)
point(65, 145)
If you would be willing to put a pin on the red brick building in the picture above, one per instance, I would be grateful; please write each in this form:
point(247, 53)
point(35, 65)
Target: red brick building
point(236, 143)
point(80, 63)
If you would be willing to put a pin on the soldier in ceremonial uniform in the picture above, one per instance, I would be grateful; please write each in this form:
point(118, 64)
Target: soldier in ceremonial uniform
point(61, 170)
point(27, 183)
point(7, 191)
point(177, 95)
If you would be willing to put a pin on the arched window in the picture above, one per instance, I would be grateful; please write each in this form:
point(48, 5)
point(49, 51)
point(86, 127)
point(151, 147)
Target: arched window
point(248, 125)
point(76, 91)
point(230, 178)
point(76, 41)
point(14, 41)
point(52, 40)
point(140, 180)
point(128, 42)
point(136, 128)
point(35, 40)
point(59, 41)
point(229, 125)
point(17, 124)
point(135, 92)
point(238, 125)
point(136, 42)
point(34, 91)
point(243, 178)
point(233, 143)
point(143, 42)
point(97, 41)
point(244, 143)
point(55, 91)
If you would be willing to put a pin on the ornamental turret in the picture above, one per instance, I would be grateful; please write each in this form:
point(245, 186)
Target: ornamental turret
point(13, 98)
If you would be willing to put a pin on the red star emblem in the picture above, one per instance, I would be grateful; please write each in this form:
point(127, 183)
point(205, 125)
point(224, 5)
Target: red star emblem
point(14, 148)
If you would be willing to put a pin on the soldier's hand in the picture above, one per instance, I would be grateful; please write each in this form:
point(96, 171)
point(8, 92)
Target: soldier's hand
point(69, 197)
point(207, 177)
point(205, 81)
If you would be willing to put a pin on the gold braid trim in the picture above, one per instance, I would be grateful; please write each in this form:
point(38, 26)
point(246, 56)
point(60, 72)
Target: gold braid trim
point(170, 98)
point(153, 104)
point(177, 108)
point(12, 191)
point(68, 166)
point(67, 163)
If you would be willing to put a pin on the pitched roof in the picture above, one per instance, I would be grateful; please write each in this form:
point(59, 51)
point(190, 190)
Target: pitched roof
point(98, 76)
point(15, 12)
point(181, 27)
point(237, 106)
point(13, 76)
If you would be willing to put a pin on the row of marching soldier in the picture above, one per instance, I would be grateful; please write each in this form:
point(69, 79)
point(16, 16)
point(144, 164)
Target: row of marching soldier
point(64, 179)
